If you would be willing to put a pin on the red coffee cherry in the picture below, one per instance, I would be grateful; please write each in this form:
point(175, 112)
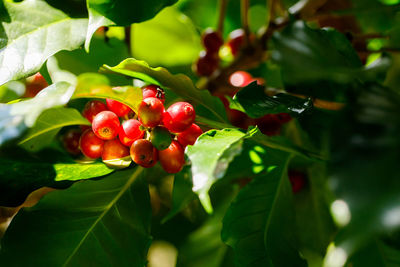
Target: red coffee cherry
point(206, 64)
point(269, 124)
point(117, 107)
point(153, 90)
point(106, 125)
point(172, 159)
point(150, 111)
point(297, 179)
point(34, 84)
point(144, 153)
point(178, 117)
point(236, 40)
point(113, 149)
point(240, 78)
point(129, 132)
point(71, 141)
point(190, 135)
point(92, 108)
point(90, 145)
point(212, 40)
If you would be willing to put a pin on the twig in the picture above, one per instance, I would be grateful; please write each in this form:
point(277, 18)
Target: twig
point(244, 14)
point(128, 39)
point(221, 15)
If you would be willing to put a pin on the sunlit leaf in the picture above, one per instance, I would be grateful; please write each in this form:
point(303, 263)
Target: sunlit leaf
point(179, 84)
point(32, 31)
point(93, 85)
point(17, 117)
point(48, 125)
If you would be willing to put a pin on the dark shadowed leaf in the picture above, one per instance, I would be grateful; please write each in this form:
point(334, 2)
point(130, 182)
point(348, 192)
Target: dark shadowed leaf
point(21, 173)
point(204, 246)
point(109, 218)
point(259, 223)
point(255, 103)
point(182, 193)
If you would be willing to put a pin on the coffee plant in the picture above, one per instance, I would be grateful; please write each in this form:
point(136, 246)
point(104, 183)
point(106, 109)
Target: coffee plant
point(199, 133)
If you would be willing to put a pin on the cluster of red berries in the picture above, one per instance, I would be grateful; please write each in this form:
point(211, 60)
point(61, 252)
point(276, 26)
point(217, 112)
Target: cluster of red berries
point(212, 40)
point(156, 135)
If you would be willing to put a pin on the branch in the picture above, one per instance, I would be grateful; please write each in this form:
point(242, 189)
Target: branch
point(221, 15)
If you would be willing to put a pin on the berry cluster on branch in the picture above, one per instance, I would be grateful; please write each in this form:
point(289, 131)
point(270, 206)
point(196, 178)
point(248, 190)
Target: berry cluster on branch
point(154, 134)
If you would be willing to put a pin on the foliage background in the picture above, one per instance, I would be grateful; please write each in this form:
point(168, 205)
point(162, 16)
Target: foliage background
point(348, 213)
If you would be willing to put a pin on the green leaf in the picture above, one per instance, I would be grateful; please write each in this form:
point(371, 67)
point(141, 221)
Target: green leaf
point(377, 253)
point(79, 61)
point(210, 157)
point(182, 193)
point(119, 163)
point(169, 39)
point(307, 54)
point(32, 31)
point(120, 13)
point(320, 62)
point(93, 85)
point(258, 224)
point(363, 170)
point(17, 117)
point(22, 173)
point(312, 202)
point(253, 101)
point(11, 91)
point(109, 218)
point(48, 125)
point(179, 84)
point(72, 171)
point(204, 246)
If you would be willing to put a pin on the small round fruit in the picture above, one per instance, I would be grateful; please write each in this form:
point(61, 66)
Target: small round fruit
point(106, 125)
point(113, 149)
point(34, 84)
point(178, 117)
point(160, 137)
point(71, 141)
point(297, 179)
point(190, 135)
point(117, 107)
point(236, 40)
point(150, 111)
point(90, 145)
point(206, 64)
point(172, 159)
point(212, 40)
point(129, 132)
point(144, 153)
point(153, 90)
point(92, 108)
point(240, 78)
point(269, 124)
